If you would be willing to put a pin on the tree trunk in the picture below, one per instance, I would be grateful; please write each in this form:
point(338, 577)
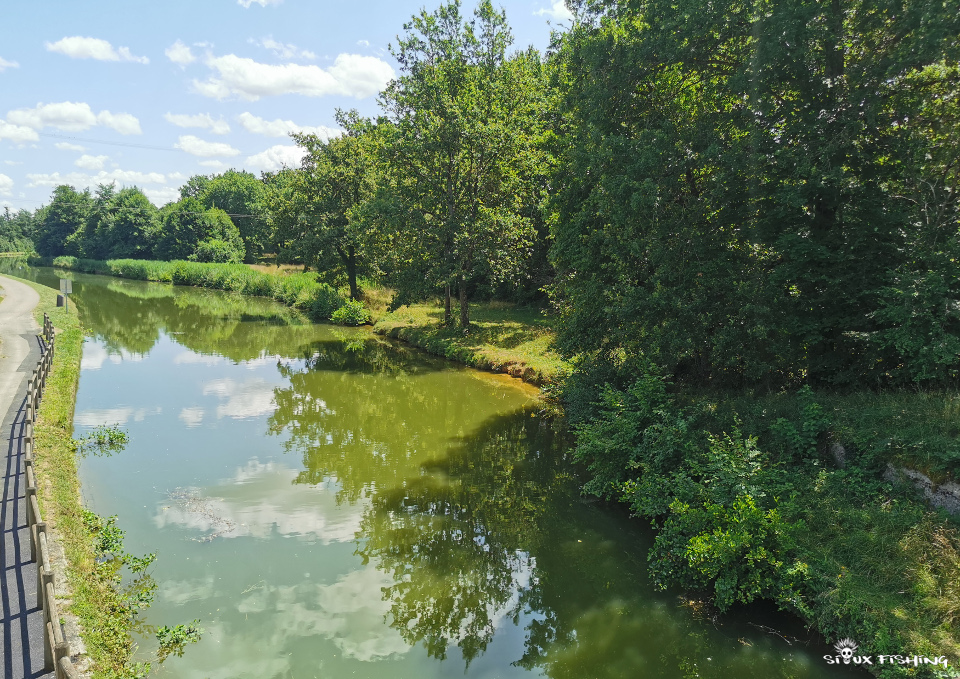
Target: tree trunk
point(352, 273)
point(464, 308)
point(447, 316)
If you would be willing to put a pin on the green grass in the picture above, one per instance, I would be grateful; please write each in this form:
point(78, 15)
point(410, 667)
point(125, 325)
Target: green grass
point(298, 290)
point(503, 338)
point(99, 607)
point(919, 430)
point(884, 569)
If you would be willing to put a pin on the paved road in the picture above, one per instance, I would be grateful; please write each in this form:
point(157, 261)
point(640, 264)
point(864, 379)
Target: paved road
point(21, 642)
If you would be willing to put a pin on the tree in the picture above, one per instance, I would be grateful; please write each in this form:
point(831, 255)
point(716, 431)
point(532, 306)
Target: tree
point(66, 213)
point(319, 210)
point(731, 203)
point(120, 224)
point(187, 225)
point(16, 231)
point(240, 195)
point(463, 125)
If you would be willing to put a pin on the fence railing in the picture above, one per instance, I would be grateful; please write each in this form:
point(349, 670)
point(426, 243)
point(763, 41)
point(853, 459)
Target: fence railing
point(56, 650)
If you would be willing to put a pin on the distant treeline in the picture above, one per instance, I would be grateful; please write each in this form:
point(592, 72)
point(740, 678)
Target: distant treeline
point(741, 199)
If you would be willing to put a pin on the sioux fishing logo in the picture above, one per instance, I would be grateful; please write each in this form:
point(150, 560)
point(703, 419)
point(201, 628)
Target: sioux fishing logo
point(847, 653)
point(846, 648)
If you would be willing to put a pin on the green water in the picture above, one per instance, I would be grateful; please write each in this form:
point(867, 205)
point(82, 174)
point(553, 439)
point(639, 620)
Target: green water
point(329, 505)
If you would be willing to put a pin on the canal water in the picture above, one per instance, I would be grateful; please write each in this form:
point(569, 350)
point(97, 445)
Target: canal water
point(331, 505)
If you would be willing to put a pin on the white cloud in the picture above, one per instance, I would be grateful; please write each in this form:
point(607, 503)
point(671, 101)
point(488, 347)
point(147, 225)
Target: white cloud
point(17, 133)
point(13, 162)
point(205, 149)
point(276, 158)
point(82, 180)
point(363, 43)
point(88, 162)
point(262, 3)
point(281, 128)
point(6, 184)
point(284, 50)
point(351, 75)
point(72, 117)
point(162, 195)
point(558, 11)
point(179, 54)
point(78, 47)
point(65, 115)
point(201, 120)
point(4, 64)
point(124, 123)
point(66, 146)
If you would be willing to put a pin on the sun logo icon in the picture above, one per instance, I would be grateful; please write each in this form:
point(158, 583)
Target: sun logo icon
point(846, 648)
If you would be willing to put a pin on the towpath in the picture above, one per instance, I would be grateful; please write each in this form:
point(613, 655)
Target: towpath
point(21, 640)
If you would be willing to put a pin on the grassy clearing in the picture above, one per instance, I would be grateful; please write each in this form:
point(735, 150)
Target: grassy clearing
point(103, 617)
point(883, 569)
point(277, 268)
point(503, 338)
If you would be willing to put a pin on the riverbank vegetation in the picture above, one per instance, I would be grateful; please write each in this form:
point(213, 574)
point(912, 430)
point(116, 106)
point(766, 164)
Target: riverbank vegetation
point(746, 222)
point(105, 602)
point(504, 338)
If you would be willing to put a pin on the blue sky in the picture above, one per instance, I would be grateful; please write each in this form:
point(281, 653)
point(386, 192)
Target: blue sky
point(149, 94)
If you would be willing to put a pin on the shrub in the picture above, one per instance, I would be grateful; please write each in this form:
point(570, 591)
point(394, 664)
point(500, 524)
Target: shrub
point(325, 302)
point(296, 290)
point(216, 250)
point(351, 313)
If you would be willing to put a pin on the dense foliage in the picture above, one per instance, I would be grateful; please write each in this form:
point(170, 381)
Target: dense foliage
point(16, 231)
point(761, 195)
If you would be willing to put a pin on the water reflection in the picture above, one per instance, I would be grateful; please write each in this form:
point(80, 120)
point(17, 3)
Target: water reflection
point(331, 505)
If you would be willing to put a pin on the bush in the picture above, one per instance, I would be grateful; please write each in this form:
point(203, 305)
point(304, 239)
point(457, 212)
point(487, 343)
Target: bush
point(216, 250)
point(296, 290)
point(351, 313)
point(325, 302)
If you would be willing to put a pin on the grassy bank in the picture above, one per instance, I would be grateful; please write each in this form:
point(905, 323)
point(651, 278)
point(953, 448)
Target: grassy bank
point(503, 338)
point(881, 566)
point(298, 290)
point(752, 500)
point(102, 613)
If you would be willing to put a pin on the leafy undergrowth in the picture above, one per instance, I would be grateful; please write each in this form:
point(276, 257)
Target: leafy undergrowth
point(751, 503)
point(919, 430)
point(503, 338)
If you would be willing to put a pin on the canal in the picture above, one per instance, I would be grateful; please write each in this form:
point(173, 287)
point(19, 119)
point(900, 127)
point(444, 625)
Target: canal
point(332, 505)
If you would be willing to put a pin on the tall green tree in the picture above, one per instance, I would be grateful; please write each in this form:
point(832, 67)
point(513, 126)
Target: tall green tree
point(191, 231)
point(240, 195)
point(319, 212)
point(121, 223)
point(730, 202)
point(66, 213)
point(16, 231)
point(464, 122)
